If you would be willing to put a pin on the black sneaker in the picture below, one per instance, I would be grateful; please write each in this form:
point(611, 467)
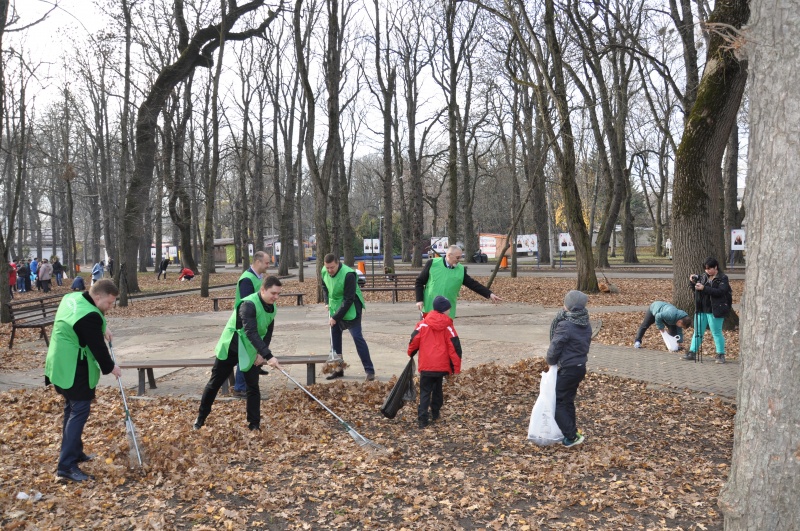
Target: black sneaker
point(198, 423)
point(74, 474)
point(335, 374)
point(254, 427)
point(720, 359)
point(689, 356)
point(423, 424)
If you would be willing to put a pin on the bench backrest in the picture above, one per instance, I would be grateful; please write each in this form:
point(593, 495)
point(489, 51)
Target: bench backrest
point(38, 308)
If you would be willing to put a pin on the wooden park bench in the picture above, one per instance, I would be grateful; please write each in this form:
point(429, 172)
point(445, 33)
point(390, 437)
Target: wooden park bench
point(33, 313)
point(392, 282)
point(216, 300)
point(145, 368)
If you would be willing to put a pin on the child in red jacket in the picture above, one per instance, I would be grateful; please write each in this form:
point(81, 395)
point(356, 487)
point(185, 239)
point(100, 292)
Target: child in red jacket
point(439, 355)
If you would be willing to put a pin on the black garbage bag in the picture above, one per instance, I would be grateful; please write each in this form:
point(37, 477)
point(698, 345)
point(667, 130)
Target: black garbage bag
point(402, 391)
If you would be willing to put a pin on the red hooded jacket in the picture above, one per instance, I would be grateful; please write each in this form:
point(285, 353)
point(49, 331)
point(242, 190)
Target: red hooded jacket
point(437, 341)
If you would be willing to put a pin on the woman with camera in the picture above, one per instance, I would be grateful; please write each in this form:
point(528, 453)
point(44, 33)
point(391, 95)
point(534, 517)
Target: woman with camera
point(712, 304)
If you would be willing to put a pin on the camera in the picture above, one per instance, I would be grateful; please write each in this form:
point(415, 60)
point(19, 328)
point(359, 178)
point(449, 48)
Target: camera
point(694, 278)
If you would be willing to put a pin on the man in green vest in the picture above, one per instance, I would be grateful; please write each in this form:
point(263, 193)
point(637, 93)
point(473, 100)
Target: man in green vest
point(245, 340)
point(76, 357)
point(249, 283)
point(445, 276)
point(345, 305)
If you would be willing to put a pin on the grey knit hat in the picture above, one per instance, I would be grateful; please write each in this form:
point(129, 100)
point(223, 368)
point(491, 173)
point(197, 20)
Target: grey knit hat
point(441, 304)
point(575, 300)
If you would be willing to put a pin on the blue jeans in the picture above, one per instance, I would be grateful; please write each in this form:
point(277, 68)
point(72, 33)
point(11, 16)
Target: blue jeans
point(59, 278)
point(707, 320)
point(240, 383)
point(361, 345)
point(20, 284)
point(76, 412)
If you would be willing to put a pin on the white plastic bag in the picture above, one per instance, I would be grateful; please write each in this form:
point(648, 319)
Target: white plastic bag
point(670, 341)
point(543, 429)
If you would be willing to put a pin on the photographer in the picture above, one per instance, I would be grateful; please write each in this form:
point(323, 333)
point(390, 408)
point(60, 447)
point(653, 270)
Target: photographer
point(712, 304)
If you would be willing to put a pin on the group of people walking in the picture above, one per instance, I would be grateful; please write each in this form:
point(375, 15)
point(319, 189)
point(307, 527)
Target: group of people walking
point(78, 353)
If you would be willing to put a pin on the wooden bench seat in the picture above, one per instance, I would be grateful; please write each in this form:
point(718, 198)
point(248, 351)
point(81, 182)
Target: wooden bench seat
point(33, 313)
point(216, 300)
point(145, 368)
point(392, 282)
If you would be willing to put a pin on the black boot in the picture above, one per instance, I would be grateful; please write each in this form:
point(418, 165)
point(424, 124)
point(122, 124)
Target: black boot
point(336, 374)
point(690, 356)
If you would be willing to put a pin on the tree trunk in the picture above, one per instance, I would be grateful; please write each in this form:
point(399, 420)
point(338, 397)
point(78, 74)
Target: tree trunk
point(696, 219)
point(764, 481)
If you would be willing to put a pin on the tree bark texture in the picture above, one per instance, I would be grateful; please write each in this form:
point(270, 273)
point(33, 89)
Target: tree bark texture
point(697, 194)
point(764, 482)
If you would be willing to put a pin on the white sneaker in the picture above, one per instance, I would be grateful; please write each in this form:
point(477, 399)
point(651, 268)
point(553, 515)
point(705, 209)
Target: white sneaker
point(637, 344)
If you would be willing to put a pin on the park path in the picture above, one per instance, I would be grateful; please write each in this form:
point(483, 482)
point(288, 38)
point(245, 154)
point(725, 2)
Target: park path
point(501, 334)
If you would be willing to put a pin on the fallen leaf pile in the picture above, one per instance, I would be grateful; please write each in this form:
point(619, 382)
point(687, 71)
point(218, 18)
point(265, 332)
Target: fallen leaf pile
point(652, 460)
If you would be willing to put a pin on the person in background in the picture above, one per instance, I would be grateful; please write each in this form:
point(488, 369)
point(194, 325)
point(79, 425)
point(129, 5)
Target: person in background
point(45, 275)
point(439, 348)
point(23, 276)
point(346, 306)
point(570, 338)
point(445, 276)
point(58, 271)
point(75, 358)
point(78, 284)
point(97, 271)
point(186, 274)
point(664, 315)
point(34, 266)
point(28, 276)
point(712, 303)
point(249, 283)
point(249, 328)
point(162, 268)
point(110, 267)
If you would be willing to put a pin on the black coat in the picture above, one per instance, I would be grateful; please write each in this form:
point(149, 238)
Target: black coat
point(714, 298)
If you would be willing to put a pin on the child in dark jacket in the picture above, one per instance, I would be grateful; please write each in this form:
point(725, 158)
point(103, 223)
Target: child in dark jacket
point(570, 337)
point(439, 349)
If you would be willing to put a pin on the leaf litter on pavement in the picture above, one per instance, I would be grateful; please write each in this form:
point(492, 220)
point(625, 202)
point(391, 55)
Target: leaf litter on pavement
point(652, 459)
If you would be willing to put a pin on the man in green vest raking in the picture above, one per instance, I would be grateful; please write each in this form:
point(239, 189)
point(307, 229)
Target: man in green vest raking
point(245, 340)
point(76, 357)
point(345, 306)
point(249, 283)
point(445, 276)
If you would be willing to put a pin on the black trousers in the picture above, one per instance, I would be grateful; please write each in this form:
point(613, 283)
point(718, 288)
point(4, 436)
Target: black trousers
point(569, 378)
point(650, 320)
point(219, 373)
point(430, 396)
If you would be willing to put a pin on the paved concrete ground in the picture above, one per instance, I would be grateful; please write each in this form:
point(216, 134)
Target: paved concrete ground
point(502, 334)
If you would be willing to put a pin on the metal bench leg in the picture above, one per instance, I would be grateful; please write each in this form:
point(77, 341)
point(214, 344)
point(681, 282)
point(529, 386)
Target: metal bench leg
point(46, 339)
point(228, 383)
point(151, 377)
point(141, 382)
point(311, 373)
point(11, 341)
point(216, 305)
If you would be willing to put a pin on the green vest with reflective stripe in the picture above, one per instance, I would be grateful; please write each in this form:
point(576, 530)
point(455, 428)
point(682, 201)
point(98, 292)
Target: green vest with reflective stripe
point(65, 349)
point(247, 352)
point(253, 278)
point(445, 282)
point(335, 286)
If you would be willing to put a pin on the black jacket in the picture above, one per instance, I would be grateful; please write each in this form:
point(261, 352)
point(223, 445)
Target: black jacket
point(714, 298)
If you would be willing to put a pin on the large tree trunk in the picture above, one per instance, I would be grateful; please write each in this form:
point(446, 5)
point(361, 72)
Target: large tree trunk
point(762, 490)
point(697, 190)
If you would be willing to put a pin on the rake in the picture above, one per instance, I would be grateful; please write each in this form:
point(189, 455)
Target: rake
point(135, 455)
point(362, 441)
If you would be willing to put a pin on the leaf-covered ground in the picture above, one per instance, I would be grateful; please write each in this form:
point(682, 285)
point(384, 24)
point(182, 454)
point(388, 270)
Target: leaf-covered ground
point(652, 460)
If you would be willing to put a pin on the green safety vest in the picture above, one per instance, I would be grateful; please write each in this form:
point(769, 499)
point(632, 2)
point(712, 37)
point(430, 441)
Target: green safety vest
point(445, 282)
point(335, 286)
point(253, 278)
point(247, 352)
point(65, 349)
